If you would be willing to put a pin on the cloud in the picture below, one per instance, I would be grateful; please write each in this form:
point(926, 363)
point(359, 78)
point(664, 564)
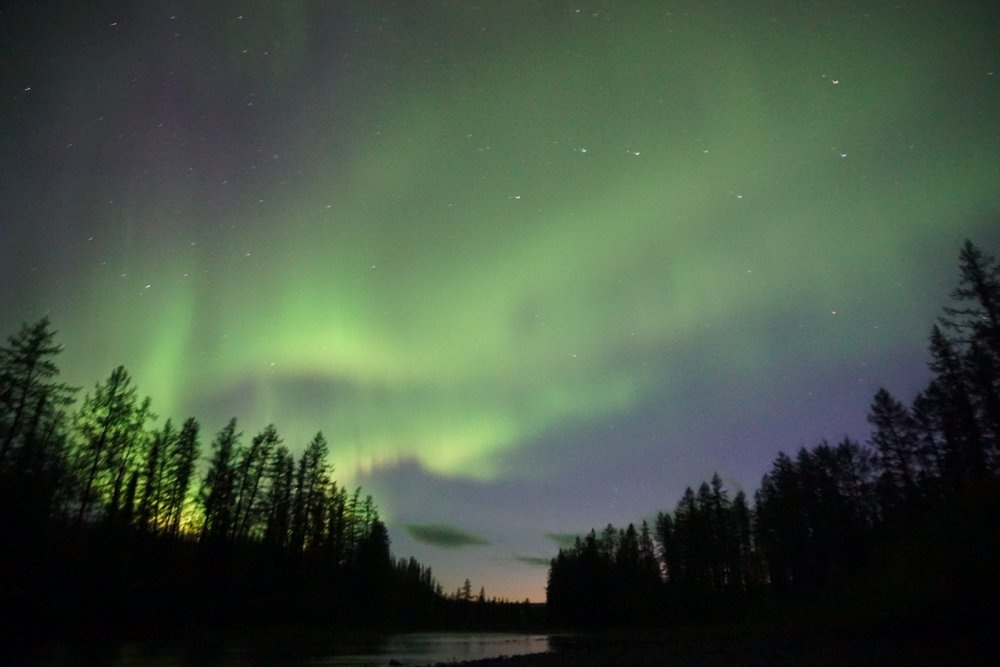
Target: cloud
point(445, 537)
point(563, 540)
point(533, 561)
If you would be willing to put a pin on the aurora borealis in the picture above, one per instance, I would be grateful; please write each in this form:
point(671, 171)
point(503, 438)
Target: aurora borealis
point(531, 267)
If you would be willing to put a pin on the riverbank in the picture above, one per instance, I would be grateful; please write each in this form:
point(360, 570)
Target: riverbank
point(710, 649)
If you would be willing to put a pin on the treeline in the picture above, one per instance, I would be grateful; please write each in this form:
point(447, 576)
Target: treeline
point(902, 529)
point(113, 524)
point(467, 611)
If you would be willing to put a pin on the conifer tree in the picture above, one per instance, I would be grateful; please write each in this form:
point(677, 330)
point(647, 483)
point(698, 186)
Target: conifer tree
point(311, 483)
point(182, 458)
point(31, 400)
point(111, 430)
point(964, 452)
point(896, 445)
point(34, 475)
point(976, 315)
point(250, 472)
point(217, 494)
point(155, 474)
point(279, 497)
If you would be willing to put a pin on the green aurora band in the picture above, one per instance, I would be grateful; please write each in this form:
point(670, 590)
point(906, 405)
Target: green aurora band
point(486, 235)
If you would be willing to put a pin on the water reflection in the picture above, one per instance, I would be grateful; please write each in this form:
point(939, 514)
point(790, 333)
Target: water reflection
point(430, 648)
point(425, 648)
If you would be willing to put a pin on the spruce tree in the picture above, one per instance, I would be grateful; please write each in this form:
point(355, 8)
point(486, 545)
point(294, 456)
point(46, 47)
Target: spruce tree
point(217, 494)
point(111, 431)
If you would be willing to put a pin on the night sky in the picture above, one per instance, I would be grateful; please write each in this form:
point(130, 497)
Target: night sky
point(531, 267)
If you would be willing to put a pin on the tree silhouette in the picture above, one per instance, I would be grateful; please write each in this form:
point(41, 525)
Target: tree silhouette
point(278, 506)
point(976, 315)
point(311, 482)
point(100, 532)
point(960, 430)
point(33, 426)
point(31, 403)
point(250, 474)
point(155, 477)
point(902, 527)
point(111, 427)
point(897, 448)
point(181, 457)
point(926, 494)
point(217, 494)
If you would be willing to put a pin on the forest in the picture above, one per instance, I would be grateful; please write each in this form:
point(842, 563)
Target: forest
point(116, 526)
point(901, 531)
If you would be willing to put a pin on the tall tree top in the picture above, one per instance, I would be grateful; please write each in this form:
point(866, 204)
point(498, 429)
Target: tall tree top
point(978, 294)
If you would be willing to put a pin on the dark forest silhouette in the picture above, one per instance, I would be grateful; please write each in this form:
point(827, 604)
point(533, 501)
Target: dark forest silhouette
point(901, 530)
point(113, 526)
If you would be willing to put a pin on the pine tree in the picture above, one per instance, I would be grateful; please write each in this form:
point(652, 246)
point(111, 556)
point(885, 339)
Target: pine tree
point(155, 474)
point(280, 484)
point(31, 401)
point(311, 484)
point(337, 525)
point(181, 460)
point(111, 429)
point(34, 477)
point(217, 494)
point(964, 451)
point(977, 316)
point(742, 557)
point(649, 567)
point(686, 537)
point(897, 447)
point(668, 548)
point(465, 592)
point(250, 471)
point(779, 525)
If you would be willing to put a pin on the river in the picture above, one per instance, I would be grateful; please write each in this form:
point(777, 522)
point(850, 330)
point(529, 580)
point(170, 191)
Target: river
point(410, 649)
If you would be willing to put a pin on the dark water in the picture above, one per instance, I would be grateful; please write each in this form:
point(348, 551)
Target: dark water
point(426, 648)
point(430, 648)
